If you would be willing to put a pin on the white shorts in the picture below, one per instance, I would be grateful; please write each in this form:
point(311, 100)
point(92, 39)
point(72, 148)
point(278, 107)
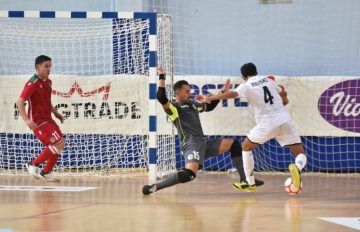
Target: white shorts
point(285, 134)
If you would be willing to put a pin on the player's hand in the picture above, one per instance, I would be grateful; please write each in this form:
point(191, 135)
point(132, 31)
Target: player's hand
point(226, 87)
point(202, 98)
point(31, 124)
point(285, 100)
point(60, 117)
point(283, 95)
point(159, 71)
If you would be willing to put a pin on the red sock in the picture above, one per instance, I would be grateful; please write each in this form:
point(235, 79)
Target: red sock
point(50, 163)
point(44, 155)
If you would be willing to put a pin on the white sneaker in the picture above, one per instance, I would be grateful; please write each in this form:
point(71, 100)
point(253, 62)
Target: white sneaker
point(48, 176)
point(33, 170)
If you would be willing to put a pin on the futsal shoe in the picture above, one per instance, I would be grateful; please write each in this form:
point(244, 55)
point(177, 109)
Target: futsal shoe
point(33, 170)
point(295, 175)
point(147, 189)
point(48, 176)
point(244, 186)
point(259, 182)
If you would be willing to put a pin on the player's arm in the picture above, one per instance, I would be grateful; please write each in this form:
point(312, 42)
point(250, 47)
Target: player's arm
point(283, 94)
point(169, 108)
point(20, 103)
point(212, 105)
point(209, 99)
point(281, 91)
point(56, 113)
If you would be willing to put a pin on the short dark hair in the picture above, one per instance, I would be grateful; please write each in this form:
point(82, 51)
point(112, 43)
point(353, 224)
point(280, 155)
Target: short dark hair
point(179, 84)
point(40, 59)
point(248, 69)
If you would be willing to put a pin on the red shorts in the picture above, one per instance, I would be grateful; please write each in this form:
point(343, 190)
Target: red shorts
point(49, 133)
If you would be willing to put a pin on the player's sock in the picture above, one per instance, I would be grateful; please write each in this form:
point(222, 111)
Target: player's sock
point(248, 160)
point(300, 161)
point(236, 158)
point(182, 176)
point(50, 163)
point(170, 181)
point(43, 156)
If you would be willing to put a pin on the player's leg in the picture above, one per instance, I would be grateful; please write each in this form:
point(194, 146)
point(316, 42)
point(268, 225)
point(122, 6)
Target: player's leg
point(258, 135)
point(299, 153)
point(248, 160)
point(300, 162)
point(32, 166)
point(194, 155)
point(183, 176)
point(51, 162)
point(234, 147)
point(289, 136)
point(235, 152)
point(51, 136)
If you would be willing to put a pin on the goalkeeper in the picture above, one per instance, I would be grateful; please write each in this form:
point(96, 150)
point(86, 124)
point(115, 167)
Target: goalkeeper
point(184, 113)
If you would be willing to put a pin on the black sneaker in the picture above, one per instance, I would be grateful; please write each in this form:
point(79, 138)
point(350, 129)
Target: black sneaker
point(244, 186)
point(259, 182)
point(147, 189)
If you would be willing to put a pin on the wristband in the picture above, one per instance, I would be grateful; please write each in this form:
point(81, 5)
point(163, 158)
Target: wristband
point(162, 77)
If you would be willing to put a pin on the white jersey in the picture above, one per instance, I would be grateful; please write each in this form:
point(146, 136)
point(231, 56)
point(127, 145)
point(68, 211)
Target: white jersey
point(263, 96)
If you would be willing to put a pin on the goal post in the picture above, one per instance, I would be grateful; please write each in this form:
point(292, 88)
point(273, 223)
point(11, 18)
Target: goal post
point(104, 84)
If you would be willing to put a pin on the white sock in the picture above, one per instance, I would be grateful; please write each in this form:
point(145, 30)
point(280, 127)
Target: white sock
point(248, 160)
point(300, 161)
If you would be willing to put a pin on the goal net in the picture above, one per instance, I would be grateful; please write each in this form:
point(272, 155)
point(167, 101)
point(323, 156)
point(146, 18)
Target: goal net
point(101, 71)
point(297, 46)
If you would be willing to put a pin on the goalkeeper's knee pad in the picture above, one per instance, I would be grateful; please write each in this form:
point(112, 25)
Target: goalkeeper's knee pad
point(186, 175)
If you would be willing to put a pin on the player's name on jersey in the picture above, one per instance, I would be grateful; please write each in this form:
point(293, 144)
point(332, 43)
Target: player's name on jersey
point(260, 82)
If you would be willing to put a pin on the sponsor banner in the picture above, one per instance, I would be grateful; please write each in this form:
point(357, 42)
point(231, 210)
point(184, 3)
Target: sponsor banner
point(92, 105)
point(118, 104)
point(340, 105)
point(319, 105)
point(324, 105)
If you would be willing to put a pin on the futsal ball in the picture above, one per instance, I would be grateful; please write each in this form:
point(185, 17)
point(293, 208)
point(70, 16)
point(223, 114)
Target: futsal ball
point(290, 188)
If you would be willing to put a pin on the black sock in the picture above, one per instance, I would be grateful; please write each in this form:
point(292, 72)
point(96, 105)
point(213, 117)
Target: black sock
point(169, 181)
point(182, 176)
point(236, 157)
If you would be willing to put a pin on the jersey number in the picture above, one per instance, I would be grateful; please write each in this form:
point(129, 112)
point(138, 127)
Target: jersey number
point(55, 135)
point(267, 96)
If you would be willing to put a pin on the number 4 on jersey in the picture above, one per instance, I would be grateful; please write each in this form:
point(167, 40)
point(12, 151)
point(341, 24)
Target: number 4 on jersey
point(267, 95)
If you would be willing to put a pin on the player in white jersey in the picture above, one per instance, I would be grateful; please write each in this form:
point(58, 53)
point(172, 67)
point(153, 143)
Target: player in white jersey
point(272, 121)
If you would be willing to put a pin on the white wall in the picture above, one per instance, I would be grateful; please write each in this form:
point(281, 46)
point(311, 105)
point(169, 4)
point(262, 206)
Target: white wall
point(70, 5)
point(214, 37)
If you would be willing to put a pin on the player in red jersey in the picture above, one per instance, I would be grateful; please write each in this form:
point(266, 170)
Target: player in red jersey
point(37, 92)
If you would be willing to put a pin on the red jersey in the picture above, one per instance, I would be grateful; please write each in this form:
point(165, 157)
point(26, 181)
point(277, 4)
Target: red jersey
point(38, 94)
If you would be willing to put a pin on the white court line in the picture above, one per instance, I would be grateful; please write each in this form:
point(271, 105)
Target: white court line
point(44, 188)
point(352, 222)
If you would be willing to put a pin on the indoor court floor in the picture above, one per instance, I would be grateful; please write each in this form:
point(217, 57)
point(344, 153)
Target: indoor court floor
point(209, 203)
